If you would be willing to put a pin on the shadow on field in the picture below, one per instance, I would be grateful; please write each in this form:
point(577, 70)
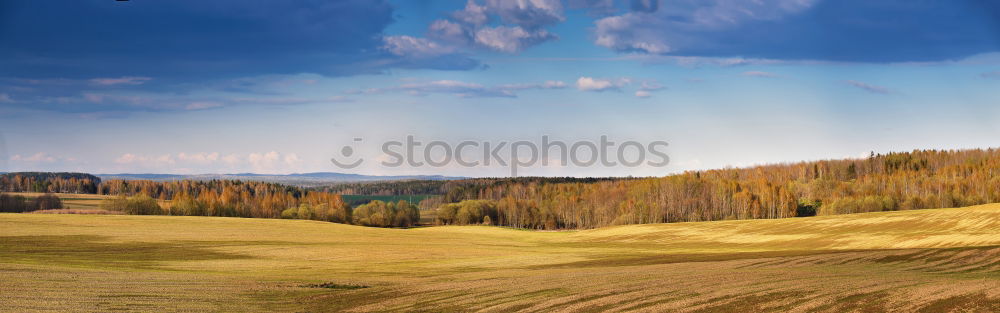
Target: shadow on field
point(97, 251)
point(983, 259)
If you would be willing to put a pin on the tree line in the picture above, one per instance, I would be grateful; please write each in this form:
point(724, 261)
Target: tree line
point(234, 198)
point(882, 182)
point(20, 204)
point(453, 190)
point(49, 182)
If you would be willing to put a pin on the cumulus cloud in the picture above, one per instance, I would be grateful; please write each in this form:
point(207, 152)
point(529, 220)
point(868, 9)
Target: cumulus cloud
point(510, 39)
point(416, 52)
point(199, 158)
point(868, 87)
point(600, 84)
point(469, 29)
point(126, 80)
point(473, 14)
point(146, 161)
point(450, 32)
point(631, 33)
point(272, 162)
point(529, 14)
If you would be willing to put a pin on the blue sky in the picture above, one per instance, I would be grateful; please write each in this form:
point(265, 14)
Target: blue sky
point(281, 86)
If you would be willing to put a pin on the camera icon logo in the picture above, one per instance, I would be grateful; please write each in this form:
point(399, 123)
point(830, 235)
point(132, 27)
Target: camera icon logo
point(346, 152)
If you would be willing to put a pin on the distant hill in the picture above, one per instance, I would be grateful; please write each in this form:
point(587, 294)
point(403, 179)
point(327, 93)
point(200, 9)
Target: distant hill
point(299, 179)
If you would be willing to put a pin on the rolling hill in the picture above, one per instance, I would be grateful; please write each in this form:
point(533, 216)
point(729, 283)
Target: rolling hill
point(936, 260)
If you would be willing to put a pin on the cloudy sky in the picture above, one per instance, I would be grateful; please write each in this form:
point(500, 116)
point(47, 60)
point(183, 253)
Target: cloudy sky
point(232, 86)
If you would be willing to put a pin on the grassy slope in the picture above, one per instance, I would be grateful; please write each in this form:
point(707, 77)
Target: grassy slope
point(933, 260)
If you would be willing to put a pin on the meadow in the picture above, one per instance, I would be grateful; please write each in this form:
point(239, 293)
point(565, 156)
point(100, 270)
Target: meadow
point(936, 260)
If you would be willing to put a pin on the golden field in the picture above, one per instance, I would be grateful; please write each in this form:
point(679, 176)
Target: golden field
point(942, 260)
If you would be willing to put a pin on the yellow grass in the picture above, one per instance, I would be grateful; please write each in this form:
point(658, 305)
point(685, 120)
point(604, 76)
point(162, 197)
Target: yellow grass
point(932, 260)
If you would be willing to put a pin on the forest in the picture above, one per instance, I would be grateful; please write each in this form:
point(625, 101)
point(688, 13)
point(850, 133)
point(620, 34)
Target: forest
point(234, 198)
point(919, 179)
point(49, 182)
point(881, 182)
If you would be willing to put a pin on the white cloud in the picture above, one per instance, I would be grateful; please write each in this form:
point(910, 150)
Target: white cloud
point(449, 31)
point(527, 13)
point(643, 94)
point(510, 39)
point(631, 33)
point(40, 157)
point(146, 161)
point(473, 14)
point(273, 162)
point(127, 80)
point(521, 25)
point(600, 84)
point(551, 84)
point(260, 162)
point(199, 158)
point(414, 47)
point(232, 160)
point(292, 159)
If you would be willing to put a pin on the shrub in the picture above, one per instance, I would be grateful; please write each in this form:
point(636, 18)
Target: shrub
point(13, 204)
point(387, 214)
point(47, 202)
point(468, 212)
point(135, 205)
point(20, 204)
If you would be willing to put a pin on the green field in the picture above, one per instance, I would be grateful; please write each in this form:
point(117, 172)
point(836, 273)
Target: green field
point(909, 261)
point(362, 199)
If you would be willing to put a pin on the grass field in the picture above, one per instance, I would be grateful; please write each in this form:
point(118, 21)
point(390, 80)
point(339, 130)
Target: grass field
point(911, 261)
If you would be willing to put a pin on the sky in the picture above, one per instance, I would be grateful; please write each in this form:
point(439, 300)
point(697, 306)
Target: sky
point(279, 87)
